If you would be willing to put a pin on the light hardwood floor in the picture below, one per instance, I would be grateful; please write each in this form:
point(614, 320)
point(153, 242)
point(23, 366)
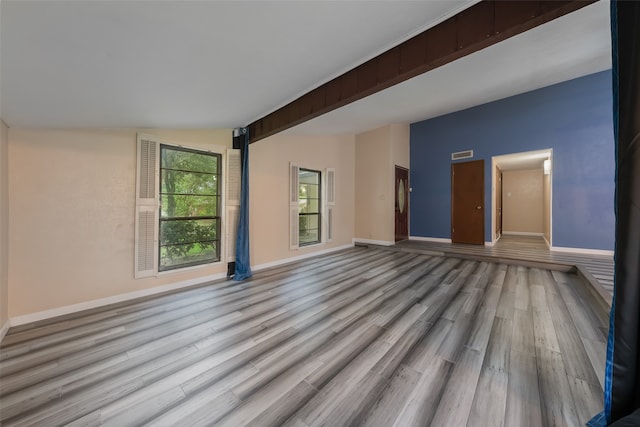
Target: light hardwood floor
point(364, 336)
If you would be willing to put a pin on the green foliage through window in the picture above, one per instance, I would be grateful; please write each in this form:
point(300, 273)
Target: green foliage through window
point(190, 207)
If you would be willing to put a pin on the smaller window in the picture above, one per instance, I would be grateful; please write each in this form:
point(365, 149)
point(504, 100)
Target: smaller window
point(309, 206)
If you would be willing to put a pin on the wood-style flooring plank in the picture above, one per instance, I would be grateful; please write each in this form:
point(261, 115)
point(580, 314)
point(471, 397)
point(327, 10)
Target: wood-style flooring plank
point(597, 353)
point(393, 398)
point(422, 404)
point(523, 395)
point(556, 400)
point(457, 398)
point(259, 402)
point(497, 355)
point(543, 327)
point(341, 386)
point(522, 339)
point(204, 412)
point(490, 399)
point(588, 399)
point(571, 345)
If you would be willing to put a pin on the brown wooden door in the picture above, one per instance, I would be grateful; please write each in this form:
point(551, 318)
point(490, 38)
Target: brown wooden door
point(402, 203)
point(467, 202)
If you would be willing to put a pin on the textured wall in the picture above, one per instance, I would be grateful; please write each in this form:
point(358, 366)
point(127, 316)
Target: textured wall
point(269, 182)
point(377, 153)
point(71, 215)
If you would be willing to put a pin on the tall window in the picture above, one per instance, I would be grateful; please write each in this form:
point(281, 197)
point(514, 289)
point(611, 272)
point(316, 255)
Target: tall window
point(189, 207)
point(309, 206)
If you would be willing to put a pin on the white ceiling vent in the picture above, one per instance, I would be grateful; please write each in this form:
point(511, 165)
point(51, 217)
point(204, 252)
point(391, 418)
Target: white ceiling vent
point(462, 155)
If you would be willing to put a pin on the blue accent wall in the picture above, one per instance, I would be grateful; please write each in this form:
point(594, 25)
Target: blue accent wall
point(574, 118)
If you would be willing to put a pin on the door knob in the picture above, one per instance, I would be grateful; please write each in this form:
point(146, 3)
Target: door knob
point(478, 207)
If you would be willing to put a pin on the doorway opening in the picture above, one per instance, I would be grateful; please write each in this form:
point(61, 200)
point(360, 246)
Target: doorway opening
point(521, 195)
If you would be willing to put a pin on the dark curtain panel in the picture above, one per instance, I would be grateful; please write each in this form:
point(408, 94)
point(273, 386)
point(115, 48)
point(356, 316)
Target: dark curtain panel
point(243, 263)
point(622, 393)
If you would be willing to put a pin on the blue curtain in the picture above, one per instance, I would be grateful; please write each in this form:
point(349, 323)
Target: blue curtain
point(243, 262)
point(622, 377)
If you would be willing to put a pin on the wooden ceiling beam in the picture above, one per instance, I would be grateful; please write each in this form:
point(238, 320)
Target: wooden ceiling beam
point(483, 24)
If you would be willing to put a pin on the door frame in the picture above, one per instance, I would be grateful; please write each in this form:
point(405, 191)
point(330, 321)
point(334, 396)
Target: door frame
point(494, 162)
point(495, 186)
point(408, 199)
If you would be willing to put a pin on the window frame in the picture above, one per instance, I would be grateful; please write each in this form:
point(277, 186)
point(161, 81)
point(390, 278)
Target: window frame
point(319, 213)
point(218, 241)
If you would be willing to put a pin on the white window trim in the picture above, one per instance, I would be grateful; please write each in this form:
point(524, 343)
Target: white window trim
point(231, 202)
point(328, 188)
point(294, 231)
point(329, 205)
point(143, 204)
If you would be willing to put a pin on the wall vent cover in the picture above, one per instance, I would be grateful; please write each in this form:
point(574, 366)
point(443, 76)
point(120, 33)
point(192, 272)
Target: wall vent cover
point(462, 155)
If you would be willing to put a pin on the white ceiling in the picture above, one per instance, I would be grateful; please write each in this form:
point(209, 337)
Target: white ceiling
point(222, 64)
point(186, 64)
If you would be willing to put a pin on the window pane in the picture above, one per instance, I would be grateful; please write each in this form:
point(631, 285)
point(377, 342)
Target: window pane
point(187, 231)
point(312, 221)
point(188, 182)
point(194, 206)
point(309, 177)
point(308, 229)
point(174, 256)
point(186, 160)
point(188, 242)
point(308, 191)
point(310, 236)
point(309, 205)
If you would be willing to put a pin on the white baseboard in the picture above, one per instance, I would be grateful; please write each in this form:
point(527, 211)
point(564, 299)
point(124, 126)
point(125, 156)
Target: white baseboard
point(521, 233)
point(430, 239)
point(600, 252)
point(73, 308)
point(489, 243)
point(545, 239)
point(4, 329)
point(298, 257)
point(372, 242)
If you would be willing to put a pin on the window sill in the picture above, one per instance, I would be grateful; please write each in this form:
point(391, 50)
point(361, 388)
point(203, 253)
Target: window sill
point(190, 268)
point(311, 245)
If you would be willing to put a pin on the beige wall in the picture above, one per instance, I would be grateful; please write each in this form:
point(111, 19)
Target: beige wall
point(71, 205)
point(399, 134)
point(522, 201)
point(71, 214)
point(269, 189)
point(4, 223)
point(546, 206)
point(377, 153)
